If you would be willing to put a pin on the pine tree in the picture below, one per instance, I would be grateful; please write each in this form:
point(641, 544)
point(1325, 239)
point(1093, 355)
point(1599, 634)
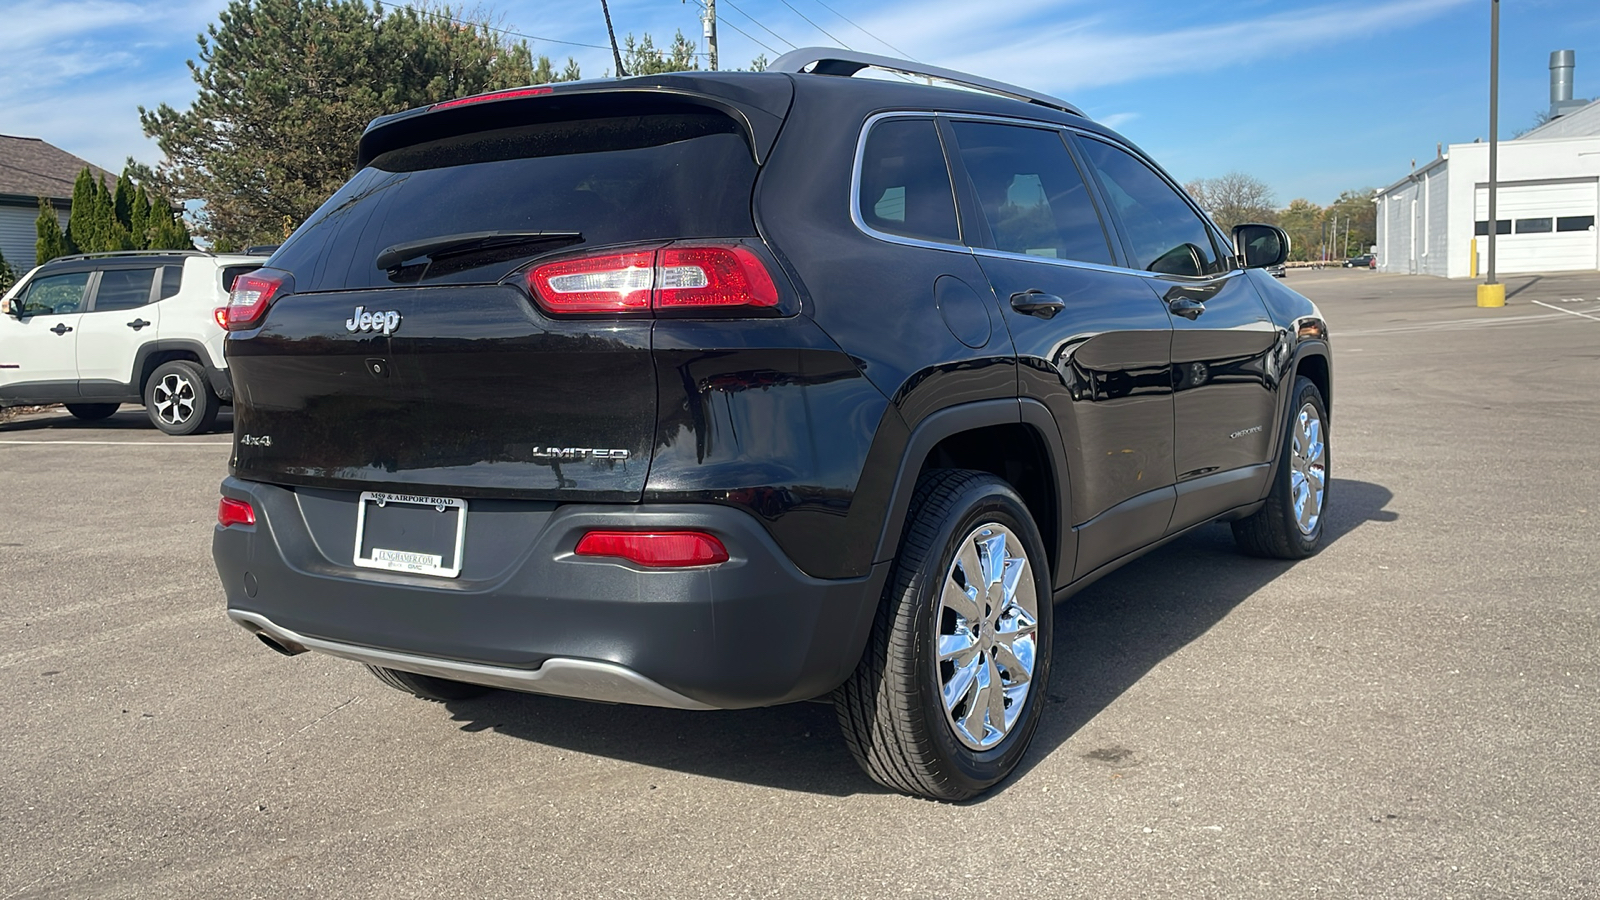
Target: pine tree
point(122, 204)
point(8, 276)
point(139, 219)
point(51, 241)
point(80, 216)
point(167, 231)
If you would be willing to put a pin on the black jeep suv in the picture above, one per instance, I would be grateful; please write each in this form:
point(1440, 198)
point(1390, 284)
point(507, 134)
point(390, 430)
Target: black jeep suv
point(730, 390)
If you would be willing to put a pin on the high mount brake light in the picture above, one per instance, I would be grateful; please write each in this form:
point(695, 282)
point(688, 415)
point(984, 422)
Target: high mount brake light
point(496, 95)
point(693, 276)
point(231, 512)
point(252, 293)
point(655, 549)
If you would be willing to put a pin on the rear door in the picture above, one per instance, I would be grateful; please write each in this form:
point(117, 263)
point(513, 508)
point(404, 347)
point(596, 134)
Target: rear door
point(121, 317)
point(1224, 405)
point(38, 349)
point(467, 385)
point(1093, 343)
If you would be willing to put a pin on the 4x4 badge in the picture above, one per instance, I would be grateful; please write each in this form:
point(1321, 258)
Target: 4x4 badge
point(386, 322)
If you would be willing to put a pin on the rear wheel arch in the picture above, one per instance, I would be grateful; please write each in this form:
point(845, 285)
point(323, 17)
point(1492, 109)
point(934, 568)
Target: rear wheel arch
point(153, 356)
point(1016, 441)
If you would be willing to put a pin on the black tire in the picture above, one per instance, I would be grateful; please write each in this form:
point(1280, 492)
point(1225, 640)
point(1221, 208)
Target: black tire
point(891, 709)
point(1275, 531)
point(439, 690)
point(92, 412)
point(179, 399)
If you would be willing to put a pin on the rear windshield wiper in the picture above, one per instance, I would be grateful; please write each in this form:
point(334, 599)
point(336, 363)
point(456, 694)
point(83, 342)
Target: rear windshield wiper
point(448, 245)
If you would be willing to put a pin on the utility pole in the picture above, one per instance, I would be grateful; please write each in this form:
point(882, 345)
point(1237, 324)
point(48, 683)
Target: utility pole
point(615, 53)
point(709, 20)
point(1492, 292)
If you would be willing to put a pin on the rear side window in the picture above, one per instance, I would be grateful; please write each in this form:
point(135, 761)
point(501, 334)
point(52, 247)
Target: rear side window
point(171, 281)
point(123, 289)
point(905, 183)
point(1033, 197)
point(1165, 234)
point(606, 180)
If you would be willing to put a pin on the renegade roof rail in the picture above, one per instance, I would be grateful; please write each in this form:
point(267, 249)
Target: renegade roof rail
point(833, 61)
point(114, 254)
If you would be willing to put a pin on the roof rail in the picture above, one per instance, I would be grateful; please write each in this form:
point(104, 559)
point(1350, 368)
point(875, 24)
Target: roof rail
point(833, 61)
point(115, 253)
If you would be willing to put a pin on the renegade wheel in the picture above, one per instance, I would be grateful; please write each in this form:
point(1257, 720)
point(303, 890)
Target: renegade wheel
point(951, 687)
point(179, 399)
point(92, 412)
point(1289, 526)
point(426, 686)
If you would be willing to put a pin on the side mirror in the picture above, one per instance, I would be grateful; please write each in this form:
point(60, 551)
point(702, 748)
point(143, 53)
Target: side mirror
point(12, 307)
point(1261, 245)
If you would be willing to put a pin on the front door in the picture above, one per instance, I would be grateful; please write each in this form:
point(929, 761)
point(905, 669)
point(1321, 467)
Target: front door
point(1093, 344)
point(1222, 339)
point(120, 318)
point(38, 349)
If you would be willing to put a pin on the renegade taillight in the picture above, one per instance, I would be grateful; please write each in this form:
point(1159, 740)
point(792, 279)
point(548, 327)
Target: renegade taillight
point(252, 293)
point(220, 314)
point(232, 512)
point(655, 549)
point(679, 276)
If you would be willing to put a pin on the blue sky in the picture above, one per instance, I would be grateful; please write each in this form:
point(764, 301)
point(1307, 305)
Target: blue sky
point(1311, 97)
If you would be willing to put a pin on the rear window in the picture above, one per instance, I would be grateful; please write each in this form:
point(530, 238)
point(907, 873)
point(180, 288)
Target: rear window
point(611, 180)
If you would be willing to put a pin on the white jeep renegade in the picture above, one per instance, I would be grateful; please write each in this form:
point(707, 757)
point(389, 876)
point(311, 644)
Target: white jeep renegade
point(98, 330)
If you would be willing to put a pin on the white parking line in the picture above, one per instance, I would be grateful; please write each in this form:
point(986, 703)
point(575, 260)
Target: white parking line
point(122, 443)
point(1569, 311)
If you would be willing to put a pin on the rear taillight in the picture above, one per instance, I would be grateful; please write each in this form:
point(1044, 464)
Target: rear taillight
point(220, 314)
point(252, 293)
point(655, 549)
point(232, 512)
point(676, 277)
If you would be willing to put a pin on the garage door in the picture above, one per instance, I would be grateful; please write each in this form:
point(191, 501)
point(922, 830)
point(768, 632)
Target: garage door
point(1544, 227)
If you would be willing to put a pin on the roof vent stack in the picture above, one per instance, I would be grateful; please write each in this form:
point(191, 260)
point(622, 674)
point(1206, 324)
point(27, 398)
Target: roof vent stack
point(1561, 102)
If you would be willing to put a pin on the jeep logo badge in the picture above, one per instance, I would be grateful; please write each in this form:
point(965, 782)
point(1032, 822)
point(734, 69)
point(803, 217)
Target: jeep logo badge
point(380, 322)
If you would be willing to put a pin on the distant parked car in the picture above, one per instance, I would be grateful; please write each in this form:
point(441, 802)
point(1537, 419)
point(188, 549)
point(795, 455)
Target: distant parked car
point(1278, 271)
point(1367, 261)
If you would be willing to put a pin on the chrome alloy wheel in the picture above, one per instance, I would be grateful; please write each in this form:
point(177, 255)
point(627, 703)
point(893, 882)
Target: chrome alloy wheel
point(175, 398)
point(1308, 468)
point(987, 635)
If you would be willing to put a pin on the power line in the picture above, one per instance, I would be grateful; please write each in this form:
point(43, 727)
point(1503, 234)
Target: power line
point(741, 30)
point(815, 25)
point(759, 25)
point(866, 32)
point(530, 37)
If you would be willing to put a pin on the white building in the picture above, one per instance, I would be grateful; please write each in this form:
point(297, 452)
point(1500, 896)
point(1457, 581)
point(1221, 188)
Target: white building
point(1430, 222)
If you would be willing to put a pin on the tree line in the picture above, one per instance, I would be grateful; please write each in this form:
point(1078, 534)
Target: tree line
point(104, 219)
point(1346, 227)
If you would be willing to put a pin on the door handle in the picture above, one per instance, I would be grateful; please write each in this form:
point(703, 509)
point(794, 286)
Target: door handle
point(1188, 308)
point(137, 324)
point(1037, 303)
point(61, 328)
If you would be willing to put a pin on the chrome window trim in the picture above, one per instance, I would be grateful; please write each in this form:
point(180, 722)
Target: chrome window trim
point(869, 231)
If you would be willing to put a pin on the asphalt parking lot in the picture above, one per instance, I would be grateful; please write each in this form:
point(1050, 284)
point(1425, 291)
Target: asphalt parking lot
point(1412, 713)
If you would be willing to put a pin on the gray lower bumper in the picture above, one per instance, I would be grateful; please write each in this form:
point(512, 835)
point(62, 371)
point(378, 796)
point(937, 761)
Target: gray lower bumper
point(583, 679)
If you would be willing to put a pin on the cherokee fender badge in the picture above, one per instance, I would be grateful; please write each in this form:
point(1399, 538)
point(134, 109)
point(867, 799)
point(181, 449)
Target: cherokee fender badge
point(382, 322)
point(1244, 431)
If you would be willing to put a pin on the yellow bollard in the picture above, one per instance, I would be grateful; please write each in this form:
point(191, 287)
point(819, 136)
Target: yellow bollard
point(1474, 258)
point(1491, 295)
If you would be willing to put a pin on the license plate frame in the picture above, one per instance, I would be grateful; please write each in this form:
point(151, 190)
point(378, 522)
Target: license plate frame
point(411, 560)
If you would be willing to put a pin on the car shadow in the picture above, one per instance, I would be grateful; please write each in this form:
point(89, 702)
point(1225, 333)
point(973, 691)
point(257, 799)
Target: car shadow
point(129, 418)
point(1106, 638)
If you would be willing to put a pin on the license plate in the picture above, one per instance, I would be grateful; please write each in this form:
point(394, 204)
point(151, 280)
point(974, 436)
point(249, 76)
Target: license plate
point(411, 533)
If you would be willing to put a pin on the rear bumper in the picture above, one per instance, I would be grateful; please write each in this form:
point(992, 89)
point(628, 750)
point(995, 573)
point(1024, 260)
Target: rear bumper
point(527, 614)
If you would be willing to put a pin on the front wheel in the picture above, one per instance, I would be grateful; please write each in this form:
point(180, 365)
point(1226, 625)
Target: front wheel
point(179, 399)
point(951, 687)
point(1290, 524)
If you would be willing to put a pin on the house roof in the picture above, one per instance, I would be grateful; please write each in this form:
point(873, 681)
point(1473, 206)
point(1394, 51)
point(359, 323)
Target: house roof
point(29, 167)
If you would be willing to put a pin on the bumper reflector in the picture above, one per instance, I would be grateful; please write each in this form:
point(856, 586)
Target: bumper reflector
point(232, 512)
point(655, 549)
